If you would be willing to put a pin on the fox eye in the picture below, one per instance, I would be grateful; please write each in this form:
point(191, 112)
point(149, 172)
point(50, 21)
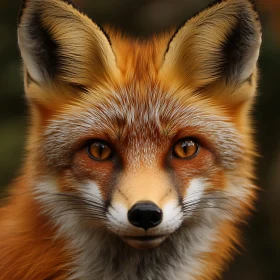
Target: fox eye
point(186, 149)
point(99, 150)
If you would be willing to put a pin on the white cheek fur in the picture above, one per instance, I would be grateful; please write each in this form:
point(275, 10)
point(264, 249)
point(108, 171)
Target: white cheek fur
point(195, 191)
point(60, 208)
point(91, 191)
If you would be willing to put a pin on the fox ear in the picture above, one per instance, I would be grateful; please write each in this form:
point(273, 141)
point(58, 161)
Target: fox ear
point(220, 44)
point(59, 43)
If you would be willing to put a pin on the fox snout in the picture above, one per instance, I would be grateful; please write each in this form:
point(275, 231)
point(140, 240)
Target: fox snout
point(144, 206)
point(145, 214)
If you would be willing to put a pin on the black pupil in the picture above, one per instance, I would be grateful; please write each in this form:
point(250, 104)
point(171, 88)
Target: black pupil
point(186, 145)
point(101, 149)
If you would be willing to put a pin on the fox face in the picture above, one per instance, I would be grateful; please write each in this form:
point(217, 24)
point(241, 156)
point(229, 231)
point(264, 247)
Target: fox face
point(145, 141)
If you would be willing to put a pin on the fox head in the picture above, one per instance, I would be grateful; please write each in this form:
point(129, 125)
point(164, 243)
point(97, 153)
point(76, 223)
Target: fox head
point(141, 138)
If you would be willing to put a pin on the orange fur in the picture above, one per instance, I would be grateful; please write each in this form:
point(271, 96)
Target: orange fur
point(28, 249)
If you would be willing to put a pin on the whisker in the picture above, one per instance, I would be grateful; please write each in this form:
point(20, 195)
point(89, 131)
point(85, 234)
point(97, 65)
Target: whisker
point(82, 215)
point(80, 198)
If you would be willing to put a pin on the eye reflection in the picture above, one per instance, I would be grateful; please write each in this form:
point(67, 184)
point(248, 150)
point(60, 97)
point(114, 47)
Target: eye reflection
point(185, 149)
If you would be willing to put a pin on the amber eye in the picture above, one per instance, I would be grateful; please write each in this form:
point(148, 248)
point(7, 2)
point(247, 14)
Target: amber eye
point(99, 151)
point(185, 149)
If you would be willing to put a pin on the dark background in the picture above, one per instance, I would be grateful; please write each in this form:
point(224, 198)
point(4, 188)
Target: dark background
point(260, 260)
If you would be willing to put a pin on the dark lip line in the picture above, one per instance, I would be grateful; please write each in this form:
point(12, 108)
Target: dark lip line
point(144, 238)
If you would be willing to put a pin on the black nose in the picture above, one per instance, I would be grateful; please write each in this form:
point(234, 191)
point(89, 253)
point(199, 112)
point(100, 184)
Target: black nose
point(145, 214)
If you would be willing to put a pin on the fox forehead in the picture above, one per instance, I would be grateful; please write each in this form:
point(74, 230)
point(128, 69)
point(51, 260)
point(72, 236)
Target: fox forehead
point(142, 123)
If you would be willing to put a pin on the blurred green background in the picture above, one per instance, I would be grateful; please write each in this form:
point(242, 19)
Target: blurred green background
point(260, 260)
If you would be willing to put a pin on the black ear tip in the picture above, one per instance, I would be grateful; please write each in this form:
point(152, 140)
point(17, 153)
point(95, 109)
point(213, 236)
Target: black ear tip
point(72, 4)
point(254, 4)
point(23, 5)
point(255, 8)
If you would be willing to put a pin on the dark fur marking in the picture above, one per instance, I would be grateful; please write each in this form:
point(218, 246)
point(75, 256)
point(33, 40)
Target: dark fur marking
point(172, 176)
point(114, 181)
point(237, 45)
point(80, 88)
point(23, 5)
point(46, 52)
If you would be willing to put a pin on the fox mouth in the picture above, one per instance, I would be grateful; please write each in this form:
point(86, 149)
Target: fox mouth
point(144, 242)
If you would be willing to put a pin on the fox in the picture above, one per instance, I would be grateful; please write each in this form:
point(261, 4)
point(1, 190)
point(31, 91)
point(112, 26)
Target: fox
point(140, 153)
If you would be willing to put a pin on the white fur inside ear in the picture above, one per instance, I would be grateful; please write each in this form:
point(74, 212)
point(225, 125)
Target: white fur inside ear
point(27, 46)
point(250, 60)
point(195, 190)
point(194, 193)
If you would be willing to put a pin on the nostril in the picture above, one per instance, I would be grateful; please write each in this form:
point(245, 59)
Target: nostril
point(156, 217)
point(145, 214)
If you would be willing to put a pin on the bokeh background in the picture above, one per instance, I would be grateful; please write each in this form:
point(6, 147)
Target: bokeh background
point(260, 260)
